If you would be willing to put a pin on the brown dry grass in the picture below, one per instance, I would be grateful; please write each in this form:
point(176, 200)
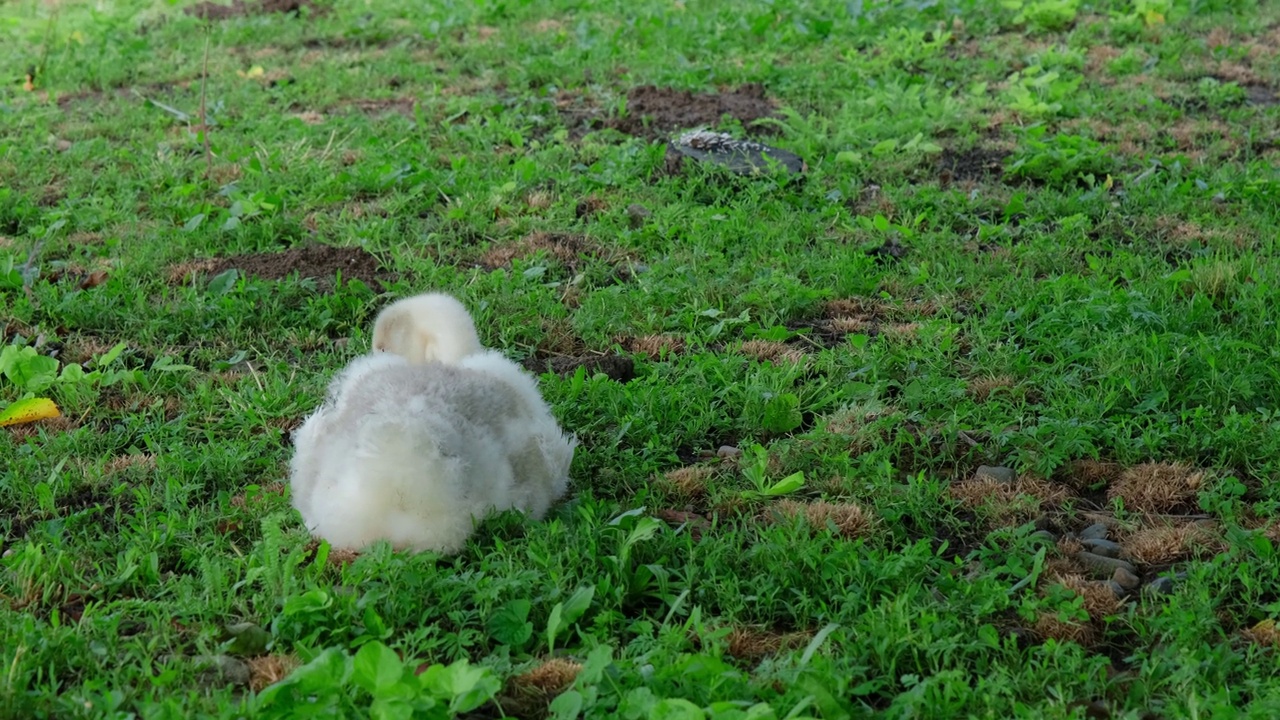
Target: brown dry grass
point(690, 481)
point(1099, 600)
point(1264, 633)
point(767, 350)
point(566, 248)
point(1159, 544)
point(53, 426)
point(1048, 625)
point(120, 463)
point(1018, 501)
point(980, 389)
point(551, 677)
point(652, 346)
point(1086, 473)
point(183, 272)
point(849, 519)
point(754, 644)
point(1157, 487)
point(269, 669)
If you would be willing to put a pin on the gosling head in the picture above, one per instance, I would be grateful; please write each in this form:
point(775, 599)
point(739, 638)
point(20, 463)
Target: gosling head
point(426, 327)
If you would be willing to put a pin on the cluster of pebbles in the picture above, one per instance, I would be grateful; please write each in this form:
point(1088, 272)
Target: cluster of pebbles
point(1103, 558)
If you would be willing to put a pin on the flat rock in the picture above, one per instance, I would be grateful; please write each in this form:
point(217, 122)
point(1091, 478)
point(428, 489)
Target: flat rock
point(996, 473)
point(1096, 531)
point(1126, 579)
point(1106, 548)
point(1102, 565)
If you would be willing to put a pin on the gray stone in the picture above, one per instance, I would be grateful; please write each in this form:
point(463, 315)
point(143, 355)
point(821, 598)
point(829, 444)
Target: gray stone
point(638, 214)
point(1103, 566)
point(1160, 586)
point(1106, 548)
point(1126, 579)
point(728, 452)
point(218, 670)
point(1116, 590)
point(1096, 531)
point(999, 474)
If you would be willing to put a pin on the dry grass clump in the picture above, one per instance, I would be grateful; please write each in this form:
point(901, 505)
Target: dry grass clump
point(849, 519)
point(770, 351)
point(1018, 501)
point(689, 481)
point(753, 644)
point(1099, 599)
point(267, 670)
point(56, 426)
point(1264, 633)
point(1088, 473)
point(183, 272)
point(528, 695)
point(1050, 626)
point(1157, 487)
point(120, 463)
point(653, 346)
point(980, 389)
point(1160, 544)
point(565, 248)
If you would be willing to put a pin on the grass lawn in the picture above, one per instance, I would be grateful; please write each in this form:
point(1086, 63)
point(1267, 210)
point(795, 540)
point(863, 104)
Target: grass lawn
point(978, 416)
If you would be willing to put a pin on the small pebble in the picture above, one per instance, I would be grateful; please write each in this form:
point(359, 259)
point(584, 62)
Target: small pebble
point(1126, 579)
point(638, 214)
point(1106, 548)
point(1103, 565)
point(728, 452)
point(1161, 586)
point(1096, 531)
point(1116, 589)
point(999, 474)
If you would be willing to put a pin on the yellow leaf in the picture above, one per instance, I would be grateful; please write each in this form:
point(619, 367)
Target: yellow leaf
point(1267, 625)
point(28, 84)
point(254, 72)
point(28, 411)
point(1110, 183)
point(78, 37)
point(1155, 18)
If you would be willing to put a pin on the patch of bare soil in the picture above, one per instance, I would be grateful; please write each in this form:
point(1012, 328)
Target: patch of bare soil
point(84, 498)
point(379, 106)
point(322, 262)
point(617, 367)
point(567, 249)
point(655, 112)
point(977, 164)
point(210, 10)
point(868, 316)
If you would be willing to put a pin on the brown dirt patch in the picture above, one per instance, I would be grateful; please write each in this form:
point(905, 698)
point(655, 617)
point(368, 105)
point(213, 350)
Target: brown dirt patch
point(770, 351)
point(870, 316)
point(617, 367)
point(981, 389)
point(696, 524)
point(1049, 625)
point(322, 262)
point(655, 112)
point(976, 164)
point(239, 8)
point(565, 248)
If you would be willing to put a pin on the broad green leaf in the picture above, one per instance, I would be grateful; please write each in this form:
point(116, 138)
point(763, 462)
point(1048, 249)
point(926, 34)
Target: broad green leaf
point(509, 625)
point(786, 485)
point(567, 705)
point(376, 668)
point(676, 709)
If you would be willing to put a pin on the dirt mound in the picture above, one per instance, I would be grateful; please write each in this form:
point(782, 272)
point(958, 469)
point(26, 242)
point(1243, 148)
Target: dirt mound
point(210, 10)
point(975, 164)
point(322, 262)
point(655, 112)
point(618, 367)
